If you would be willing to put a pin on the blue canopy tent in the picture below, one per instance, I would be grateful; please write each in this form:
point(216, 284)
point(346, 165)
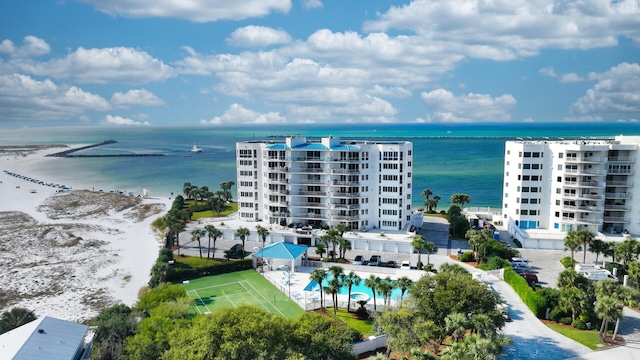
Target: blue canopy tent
point(281, 254)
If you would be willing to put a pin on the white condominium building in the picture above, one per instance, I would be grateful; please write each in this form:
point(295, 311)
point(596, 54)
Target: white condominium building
point(551, 187)
point(321, 183)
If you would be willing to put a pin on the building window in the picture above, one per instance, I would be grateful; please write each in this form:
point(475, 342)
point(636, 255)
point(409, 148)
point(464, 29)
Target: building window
point(524, 212)
point(517, 211)
point(560, 155)
point(559, 166)
point(557, 214)
point(557, 202)
point(558, 191)
point(559, 178)
point(506, 195)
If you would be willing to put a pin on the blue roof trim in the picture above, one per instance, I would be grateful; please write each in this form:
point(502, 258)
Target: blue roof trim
point(277, 147)
point(344, 147)
point(281, 250)
point(310, 146)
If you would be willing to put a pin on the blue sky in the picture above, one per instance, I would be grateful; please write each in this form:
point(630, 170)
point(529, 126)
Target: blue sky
point(220, 62)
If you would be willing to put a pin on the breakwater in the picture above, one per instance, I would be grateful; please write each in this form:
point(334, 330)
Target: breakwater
point(71, 153)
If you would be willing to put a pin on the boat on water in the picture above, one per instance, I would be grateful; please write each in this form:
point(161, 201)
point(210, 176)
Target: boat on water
point(196, 149)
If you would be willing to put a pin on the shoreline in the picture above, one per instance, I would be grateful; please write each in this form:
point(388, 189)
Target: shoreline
point(66, 261)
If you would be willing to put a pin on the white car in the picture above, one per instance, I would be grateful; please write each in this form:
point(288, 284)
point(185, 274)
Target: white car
point(406, 265)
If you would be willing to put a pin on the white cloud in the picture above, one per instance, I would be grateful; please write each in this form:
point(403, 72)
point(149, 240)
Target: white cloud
point(32, 46)
point(312, 4)
point(505, 30)
point(237, 114)
point(118, 120)
point(447, 107)
point(571, 77)
point(192, 10)
point(616, 95)
point(141, 97)
point(548, 71)
point(24, 98)
point(107, 65)
point(258, 37)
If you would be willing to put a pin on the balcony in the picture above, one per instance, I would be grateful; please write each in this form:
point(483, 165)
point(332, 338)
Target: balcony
point(621, 159)
point(308, 216)
point(308, 181)
point(308, 204)
point(345, 183)
point(308, 192)
point(620, 171)
point(277, 191)
point(593, 184)
point(280, 158)
point(307, 170)
point(344, 171)
point(583, 220)
point(278, 213)
point(584, 171)
point(582, 208)
point(345, 206)
point(612, 207)
point(345, 194)
point(278, 169)
point(585, 159)
point(613, 195)
point(620, 183)
point(583, 196)
point(616, 219)
point(345, 217)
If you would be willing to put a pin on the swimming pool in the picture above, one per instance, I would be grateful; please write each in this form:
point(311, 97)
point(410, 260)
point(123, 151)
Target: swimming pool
point(361, 288)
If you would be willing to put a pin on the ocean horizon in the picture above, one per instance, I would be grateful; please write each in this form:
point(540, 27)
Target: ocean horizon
point(448, 158)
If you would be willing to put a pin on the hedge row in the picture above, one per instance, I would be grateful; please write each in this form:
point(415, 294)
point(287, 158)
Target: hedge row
point(181, 271)
point(536, 303)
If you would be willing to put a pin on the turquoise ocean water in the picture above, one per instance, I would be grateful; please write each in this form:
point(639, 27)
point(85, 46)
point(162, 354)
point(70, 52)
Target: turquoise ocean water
point(448, 159)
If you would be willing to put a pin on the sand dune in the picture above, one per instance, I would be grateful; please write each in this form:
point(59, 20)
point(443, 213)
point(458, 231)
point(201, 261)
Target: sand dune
point(70, 254)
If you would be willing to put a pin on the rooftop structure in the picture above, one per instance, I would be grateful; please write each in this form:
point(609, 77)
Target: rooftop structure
point(44, 338)
point(316, 184)
point(551, 187)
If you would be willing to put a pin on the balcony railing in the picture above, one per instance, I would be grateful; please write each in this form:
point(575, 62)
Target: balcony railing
point(620, 171)
point(345, 194)
point(345, 183)
point(345, 217)
point(583, 196)
point(611, 195)
point(616, 219)
point(308, 204)
point(612, 207)
point(583, 171)
point(344, 171)
point(586, 159)
point(308, 216)
point(307, 170)
point(619, 183)
point(583, 183)
point(307, 192)
point(582, 208)
point(621, 159)
point(583, 220)
point(345, 206)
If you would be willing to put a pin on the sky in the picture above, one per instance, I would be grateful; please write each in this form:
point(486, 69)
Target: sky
point(221, 62)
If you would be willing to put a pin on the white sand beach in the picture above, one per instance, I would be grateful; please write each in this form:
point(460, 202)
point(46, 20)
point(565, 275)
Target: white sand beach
point(69, 254)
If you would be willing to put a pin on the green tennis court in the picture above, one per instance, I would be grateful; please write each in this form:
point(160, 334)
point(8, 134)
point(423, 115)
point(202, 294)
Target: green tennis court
point(239, 288)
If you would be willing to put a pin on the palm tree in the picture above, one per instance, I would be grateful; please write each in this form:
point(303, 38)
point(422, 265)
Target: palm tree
point(430, 248)
point(349, 281)
point(319, 275)
point(585, 237)
point(263, 233)
point(212, 232)
point(175, 226)
point(572, 243)
point(242, 233)
point(335, 284)
point(385, 287)
point(345, 245)
point(567, 278)
point(634, 273)
point(332, 235)
point(483, 325)
point(426, 193)
point(15, 318)
point(455, 325)
point(320, 250)
point(453, 269)
point(419, 243)
point(195, 236)
point(460, 199)
point(404, 283)
point(372, 283)
point(572, 299)
point(598, 247)
point(226, 189)
point(627, 250)
point(608, 309)
point(474, 238)
point(186, 189)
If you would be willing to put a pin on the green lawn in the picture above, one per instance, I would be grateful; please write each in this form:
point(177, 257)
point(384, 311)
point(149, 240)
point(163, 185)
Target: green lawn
point(226, 210)
point(588, 338)
point(239, 288)
point(365, 327)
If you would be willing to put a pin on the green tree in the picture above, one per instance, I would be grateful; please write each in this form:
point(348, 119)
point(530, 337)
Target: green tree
point(212, 233)
point(242, 233)
point(316, 338)
point(385, 287)
point(350, 280)
point(319, 275)
point(430, 248)
point(153, 298)
point(419, 244)
point(113, 326)
point(226, 190)
point(404, 283)
point(608, 309)
point(334, 285)
point(331, 237)
point(598, 247)
point(372, 282)
point(634, 273)
point(585, 238)
point(345, 245)
point(458, 223)
point(572, 242)
point(456, 325)
point(627, 250)
point(320, 250)
point(573, 300)
point(15, 318)
point(195, 236)
point(460, 199)
point(426, 193)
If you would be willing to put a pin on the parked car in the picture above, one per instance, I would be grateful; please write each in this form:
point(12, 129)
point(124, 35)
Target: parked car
point(235, 252)
point(522, 265)
point(375, 260)
point(391, 264)
point(520, 260)
point(358, 260)
point(530, 277)
point(406, 265)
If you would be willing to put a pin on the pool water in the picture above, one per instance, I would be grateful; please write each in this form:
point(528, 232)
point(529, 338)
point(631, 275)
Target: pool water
point(344, 290)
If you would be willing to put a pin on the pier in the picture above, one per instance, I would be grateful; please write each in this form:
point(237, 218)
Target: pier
point(71, 152)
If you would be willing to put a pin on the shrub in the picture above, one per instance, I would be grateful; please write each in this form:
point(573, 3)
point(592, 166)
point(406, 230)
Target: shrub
point(556, 314)
point(496, 262)
point(566, 320)
point(467, 256)
point(183, 271)
point(579, 324)
point(536, 303)
point(567, 263)
point(550, 295)
point(517, 243)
